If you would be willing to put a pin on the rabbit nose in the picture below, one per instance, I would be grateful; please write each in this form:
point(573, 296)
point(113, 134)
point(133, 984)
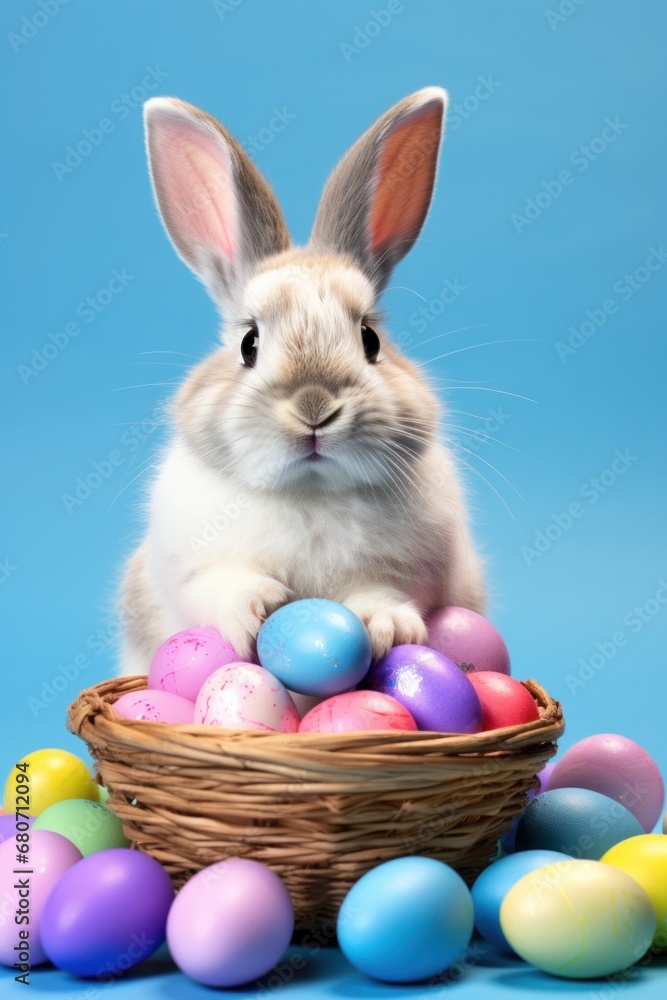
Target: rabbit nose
point(315, 407)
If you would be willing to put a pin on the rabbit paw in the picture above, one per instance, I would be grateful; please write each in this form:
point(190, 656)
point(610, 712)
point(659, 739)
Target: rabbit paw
point(247, 611)
point(389, 623)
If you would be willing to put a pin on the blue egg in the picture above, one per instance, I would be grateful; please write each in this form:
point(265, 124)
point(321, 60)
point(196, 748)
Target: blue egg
point(315, 647)
point(491, 887)
point(575, 821)
point(406, 920)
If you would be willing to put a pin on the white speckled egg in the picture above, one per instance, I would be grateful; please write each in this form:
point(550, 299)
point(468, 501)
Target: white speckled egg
point(245, 696)
point(572, 920)
point(155, 706)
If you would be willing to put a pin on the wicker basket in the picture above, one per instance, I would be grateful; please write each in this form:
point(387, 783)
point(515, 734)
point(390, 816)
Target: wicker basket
point(320, 809)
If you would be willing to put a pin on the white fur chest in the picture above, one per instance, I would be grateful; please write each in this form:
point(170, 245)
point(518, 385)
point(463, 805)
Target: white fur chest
point(314, 544)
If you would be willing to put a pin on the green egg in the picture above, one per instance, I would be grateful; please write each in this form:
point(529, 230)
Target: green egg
point(104, 794)
point(90, 826)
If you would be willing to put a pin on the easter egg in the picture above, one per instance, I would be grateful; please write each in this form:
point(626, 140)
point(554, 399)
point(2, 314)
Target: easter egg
point(618, 767)
point(10, 825)
point(437, 694)
point(104, 794)
point(505, 701)
point(107, 913)
point(230, 923)
point(155, 706)
point(644, 859)
point(357, 711)
point(315, 647)
point(574, 821)
point(50, 775)
point(493, 884)
point(186, 659)
point(572, 919)
point(544, 777)
point(246, 696)
point(406, 920)
point(50, 857)
point(469, 639)
point(89, 825)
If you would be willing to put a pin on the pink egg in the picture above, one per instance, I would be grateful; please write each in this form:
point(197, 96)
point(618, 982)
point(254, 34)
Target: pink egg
point(357, 711)
point(183, 662)
point(468, 639)
point(155, 706)
point(245, 696)
point(617, 767)
point(50, 856)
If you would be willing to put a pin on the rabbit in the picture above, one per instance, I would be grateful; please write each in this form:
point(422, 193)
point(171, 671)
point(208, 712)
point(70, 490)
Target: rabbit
point(305, 460)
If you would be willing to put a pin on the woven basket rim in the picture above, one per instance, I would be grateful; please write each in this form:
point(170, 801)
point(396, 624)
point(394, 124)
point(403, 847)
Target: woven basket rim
point(92, 717)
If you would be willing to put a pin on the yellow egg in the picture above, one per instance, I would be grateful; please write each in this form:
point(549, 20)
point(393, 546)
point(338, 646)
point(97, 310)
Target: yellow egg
point(578, 919)
point(644, 858)
point(47, 776)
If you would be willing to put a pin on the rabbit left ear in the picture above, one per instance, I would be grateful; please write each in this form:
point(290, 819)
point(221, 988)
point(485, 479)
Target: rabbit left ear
point(374, 204)
point(219, 211)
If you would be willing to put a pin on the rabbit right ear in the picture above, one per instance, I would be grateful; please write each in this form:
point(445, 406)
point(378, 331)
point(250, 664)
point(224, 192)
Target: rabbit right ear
point(220, 213)
point(375, 202)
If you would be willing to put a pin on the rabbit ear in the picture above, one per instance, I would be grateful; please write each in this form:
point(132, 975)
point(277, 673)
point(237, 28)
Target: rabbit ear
point(220, 213)
point(375, 202)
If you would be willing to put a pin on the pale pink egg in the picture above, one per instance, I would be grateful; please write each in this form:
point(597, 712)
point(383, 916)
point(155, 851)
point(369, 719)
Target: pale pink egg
point(356, 711)
point(155, 706)
point(245, 696)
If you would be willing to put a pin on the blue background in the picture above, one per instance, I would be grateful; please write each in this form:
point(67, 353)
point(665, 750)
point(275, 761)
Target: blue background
point(552, 80)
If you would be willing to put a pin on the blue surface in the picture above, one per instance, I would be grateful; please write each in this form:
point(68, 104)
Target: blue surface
point(531, 92)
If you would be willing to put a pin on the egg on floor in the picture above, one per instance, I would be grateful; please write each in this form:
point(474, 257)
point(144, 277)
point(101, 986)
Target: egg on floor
point(406, 920)
point(53, 775)
point(578, 919)
point(107, 912)
point(574, 821)
point(51, 855)
point(644, 858)
point(90, 826)
point(617, 767)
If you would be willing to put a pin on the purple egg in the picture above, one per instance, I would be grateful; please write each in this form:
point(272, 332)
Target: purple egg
point(8, 825)
point(51, 856)
point(544, 776)
point(231, 923)
point(434, 690)
point(107, 913)
point(469, 639)
point(187, 659)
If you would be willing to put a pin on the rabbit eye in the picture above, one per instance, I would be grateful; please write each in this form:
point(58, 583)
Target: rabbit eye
point(371, 343)
point(249, 346)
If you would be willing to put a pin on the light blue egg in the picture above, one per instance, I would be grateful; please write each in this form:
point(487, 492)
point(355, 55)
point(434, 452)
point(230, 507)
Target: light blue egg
point(406, 920)
point(575, 821)
point(491, 887)
point(315, 647)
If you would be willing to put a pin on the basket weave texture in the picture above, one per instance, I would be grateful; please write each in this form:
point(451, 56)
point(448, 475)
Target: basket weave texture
point(319, 809)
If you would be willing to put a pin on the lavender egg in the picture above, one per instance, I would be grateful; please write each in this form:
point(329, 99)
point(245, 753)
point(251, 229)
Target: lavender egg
point(185, 660)
point(469, 639)
point(246, 696)
point(155, 706)
point(434, 690)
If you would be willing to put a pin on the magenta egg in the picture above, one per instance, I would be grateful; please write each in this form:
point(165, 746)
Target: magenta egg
point(50, 856)
point(107, 913)
point(185, 660)
point(246, 696)
point(469, 639)
point(616, 767)
point(230, 923)
point(357, 711)
point(434, 690)
point(155, 706)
